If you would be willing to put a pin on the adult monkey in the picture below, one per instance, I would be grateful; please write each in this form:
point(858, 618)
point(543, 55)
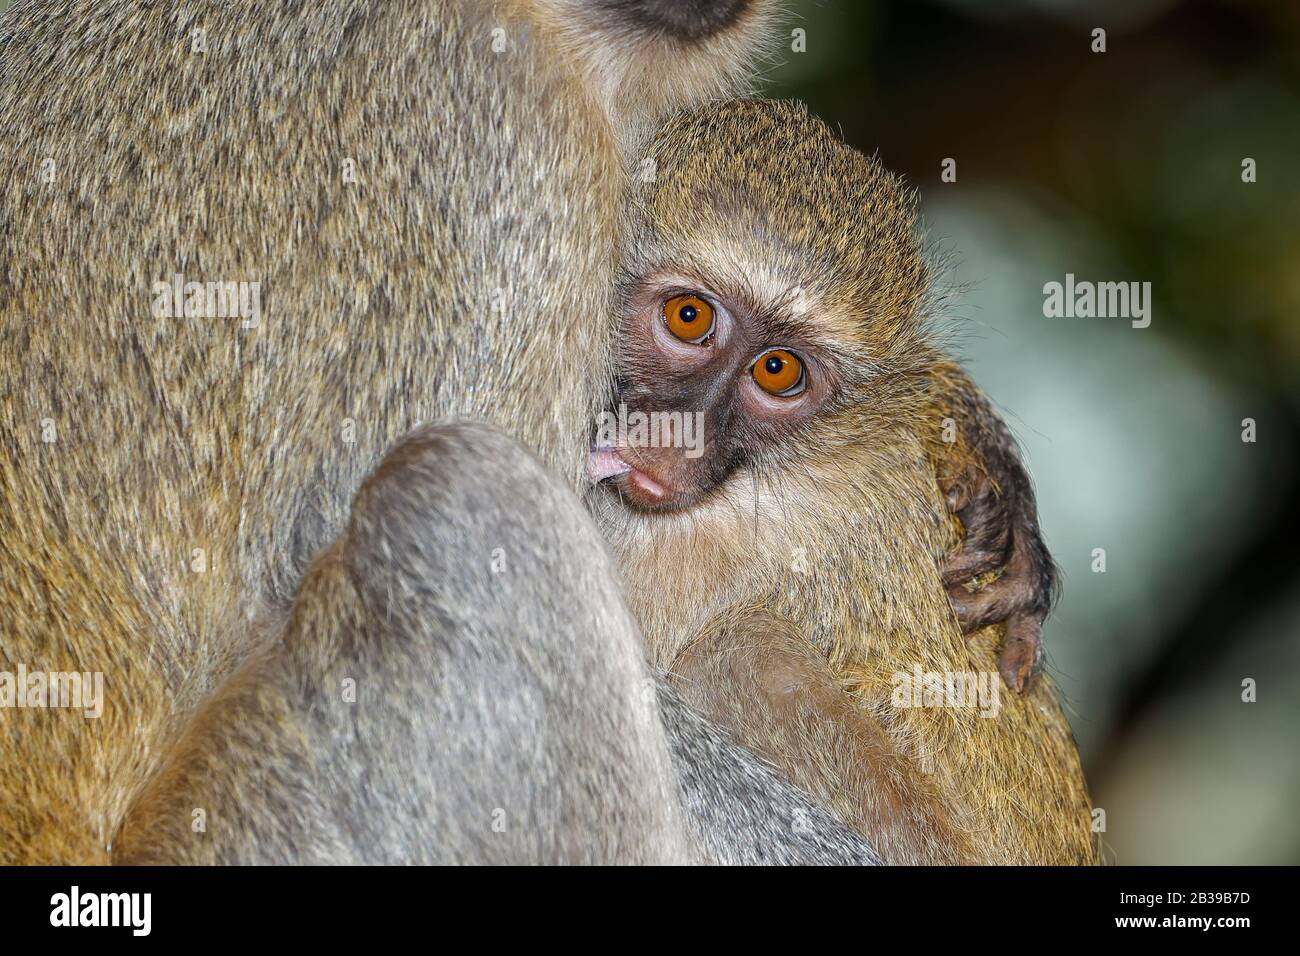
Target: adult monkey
point(423, 246)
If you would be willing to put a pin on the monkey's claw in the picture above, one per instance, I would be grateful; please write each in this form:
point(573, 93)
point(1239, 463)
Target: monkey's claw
point(1020, 595)
point(1020, 655)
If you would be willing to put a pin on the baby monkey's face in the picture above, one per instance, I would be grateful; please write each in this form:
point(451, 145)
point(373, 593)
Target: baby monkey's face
point(768, 309)
point(708, 384)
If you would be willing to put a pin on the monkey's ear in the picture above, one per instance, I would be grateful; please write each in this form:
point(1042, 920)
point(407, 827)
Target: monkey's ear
point(647, 59)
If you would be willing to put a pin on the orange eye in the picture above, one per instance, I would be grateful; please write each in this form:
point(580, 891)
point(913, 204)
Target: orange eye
point(689, 317)
point(779, 372)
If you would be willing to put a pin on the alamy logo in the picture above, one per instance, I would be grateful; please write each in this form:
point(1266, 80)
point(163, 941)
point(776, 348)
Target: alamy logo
point(179, 299)
point(1101, 300)
point(103, 909)
point(964, 690)
point(624, 429)
point(23, 689)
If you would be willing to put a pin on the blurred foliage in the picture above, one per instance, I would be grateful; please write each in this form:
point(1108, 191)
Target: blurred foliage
point(1123, 166)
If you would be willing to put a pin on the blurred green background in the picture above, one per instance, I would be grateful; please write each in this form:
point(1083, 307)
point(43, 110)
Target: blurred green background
point(1123, 166)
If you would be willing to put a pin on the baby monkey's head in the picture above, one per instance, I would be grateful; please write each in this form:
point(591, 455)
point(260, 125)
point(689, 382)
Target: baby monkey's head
point(771, 286)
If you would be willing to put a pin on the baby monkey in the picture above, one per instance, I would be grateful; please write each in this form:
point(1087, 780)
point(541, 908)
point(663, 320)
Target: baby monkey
point(789, 560)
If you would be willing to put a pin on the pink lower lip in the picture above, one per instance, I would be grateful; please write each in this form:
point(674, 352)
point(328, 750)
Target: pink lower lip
point(605, 463)
point(647, 484)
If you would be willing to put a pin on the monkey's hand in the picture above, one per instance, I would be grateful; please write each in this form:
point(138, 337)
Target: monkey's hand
point(1003, 571)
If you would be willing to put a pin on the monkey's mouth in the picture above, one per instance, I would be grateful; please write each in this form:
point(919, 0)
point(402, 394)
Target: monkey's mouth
point(637, 487)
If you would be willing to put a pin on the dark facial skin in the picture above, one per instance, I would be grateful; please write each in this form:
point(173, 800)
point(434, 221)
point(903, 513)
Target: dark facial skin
point(710, 368)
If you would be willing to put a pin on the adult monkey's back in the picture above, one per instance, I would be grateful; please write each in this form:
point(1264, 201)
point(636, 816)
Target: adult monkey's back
point(421, 197)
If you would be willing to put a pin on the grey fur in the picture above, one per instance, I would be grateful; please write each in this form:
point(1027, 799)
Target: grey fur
point(739, 809)
point(476, 736)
